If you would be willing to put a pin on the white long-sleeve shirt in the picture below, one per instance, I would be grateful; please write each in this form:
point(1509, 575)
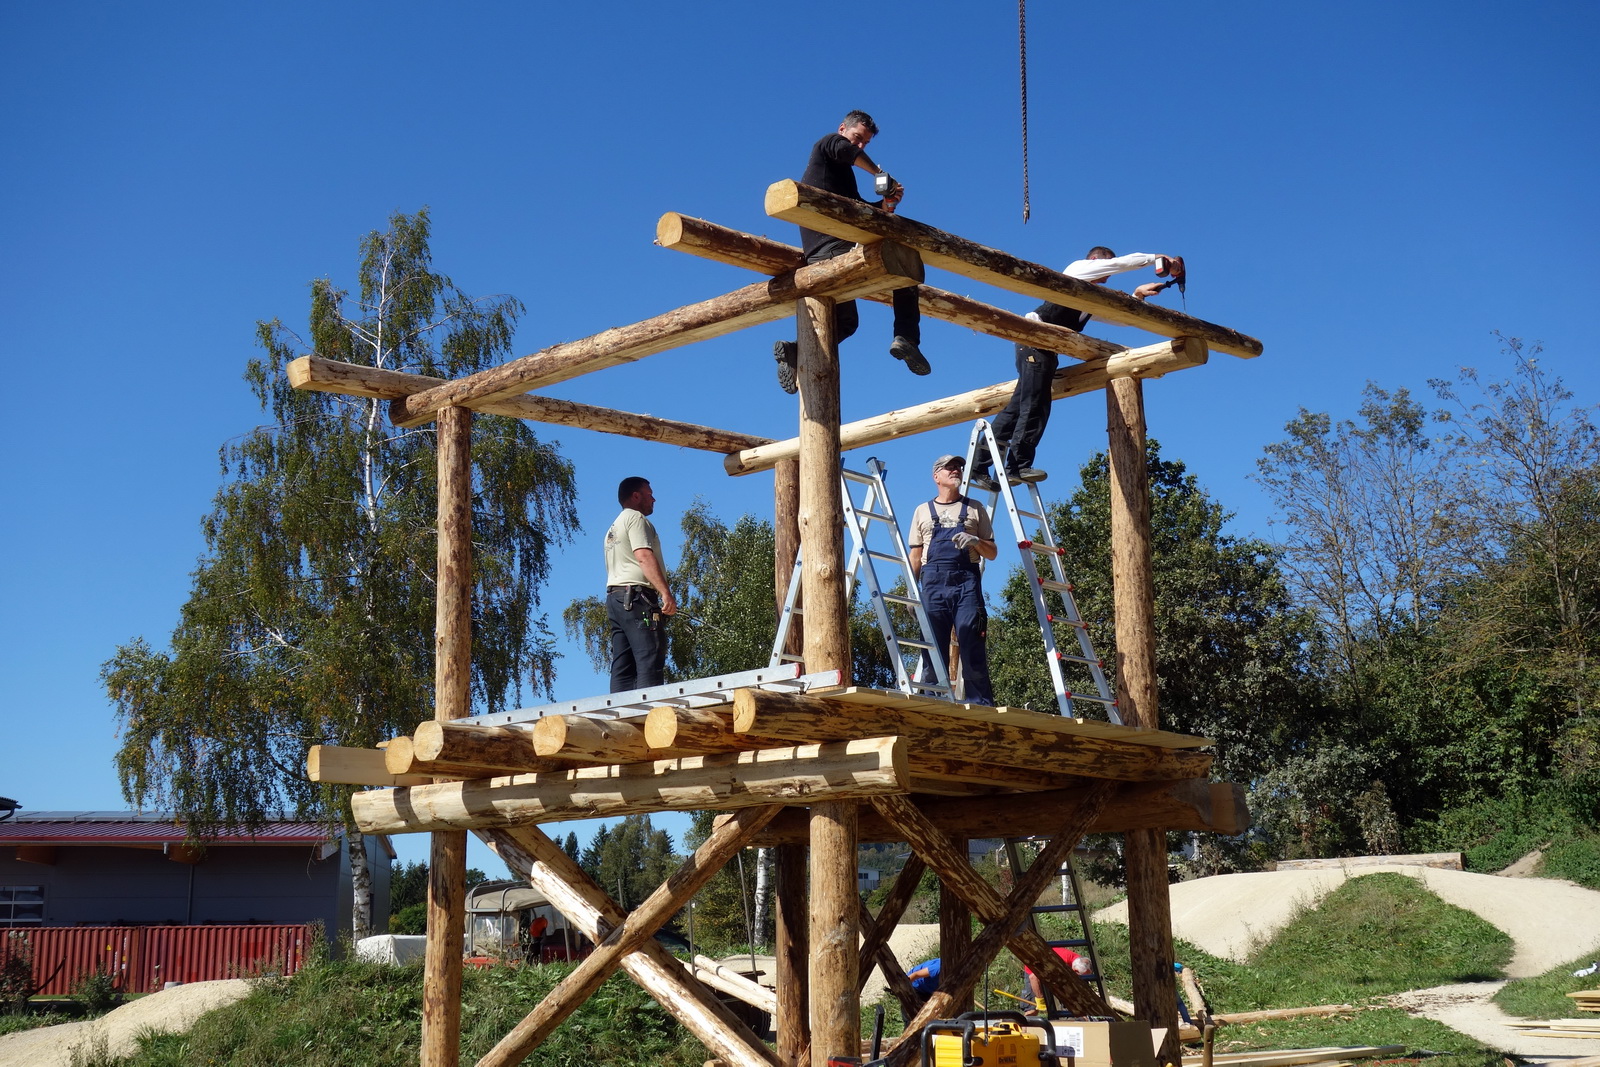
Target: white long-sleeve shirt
point(1094, 270)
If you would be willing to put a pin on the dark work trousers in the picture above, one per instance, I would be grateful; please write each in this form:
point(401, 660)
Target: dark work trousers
point(907, 312)
point(952, 593)
point(1020, 425)
point(638, 645)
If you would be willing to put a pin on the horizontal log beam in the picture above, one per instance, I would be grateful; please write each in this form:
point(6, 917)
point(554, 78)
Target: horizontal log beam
point(856, 273)
point(1152, 361)
point(343, 765)
point(1206, 807)
point(400, 756)
point(578, 737)
point(802, 774)
point(805, 717)
point(766, 256)
point(736, 985)
point(351, 379)
point(854, 220)
point(707, 730)
point(492, 747)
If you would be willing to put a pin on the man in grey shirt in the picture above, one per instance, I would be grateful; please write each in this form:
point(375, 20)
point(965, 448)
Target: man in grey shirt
point(636, 591)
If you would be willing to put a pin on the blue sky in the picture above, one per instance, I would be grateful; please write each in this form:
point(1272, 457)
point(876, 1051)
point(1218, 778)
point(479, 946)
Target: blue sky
point(1371, 189)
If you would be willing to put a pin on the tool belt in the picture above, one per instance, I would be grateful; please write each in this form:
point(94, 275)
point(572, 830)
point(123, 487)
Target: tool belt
point(629, 591)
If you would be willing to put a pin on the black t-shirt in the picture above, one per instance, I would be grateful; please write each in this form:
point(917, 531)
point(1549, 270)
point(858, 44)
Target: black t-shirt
point(831, 167)
point(1056, 315)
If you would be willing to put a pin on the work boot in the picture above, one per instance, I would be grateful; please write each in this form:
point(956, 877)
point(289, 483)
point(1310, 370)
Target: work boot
point(907, 351)
point(983, 483)
point(787, 353)
point(1026, 474)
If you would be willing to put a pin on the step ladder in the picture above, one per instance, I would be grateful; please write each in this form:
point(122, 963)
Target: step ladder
point(1080, 939)
point(1035, 542)
point(875, 539)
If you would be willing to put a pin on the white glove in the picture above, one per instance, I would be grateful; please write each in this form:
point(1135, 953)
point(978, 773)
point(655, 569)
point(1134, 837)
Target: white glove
point(964, 540)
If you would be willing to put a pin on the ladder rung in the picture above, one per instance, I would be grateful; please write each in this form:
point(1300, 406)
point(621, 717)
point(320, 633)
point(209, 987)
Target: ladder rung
point(1092, 698)
point(1064, 621)
point(857, 477)
point(1085, 660)
point(911, 642)
point(1079, 943)
point(896, 598)
point(1040, 550)
point(880, 516)
point(887, 557)
point(1055, 586)
point(1058, 907)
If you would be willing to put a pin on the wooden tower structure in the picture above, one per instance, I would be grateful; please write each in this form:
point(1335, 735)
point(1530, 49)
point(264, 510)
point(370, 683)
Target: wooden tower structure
point(802, 770)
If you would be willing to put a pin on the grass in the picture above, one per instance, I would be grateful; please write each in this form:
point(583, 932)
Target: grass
point(1545, 997)
point(345, 1014)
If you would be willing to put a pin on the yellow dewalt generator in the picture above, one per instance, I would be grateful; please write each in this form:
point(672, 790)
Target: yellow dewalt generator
point(988, 1039)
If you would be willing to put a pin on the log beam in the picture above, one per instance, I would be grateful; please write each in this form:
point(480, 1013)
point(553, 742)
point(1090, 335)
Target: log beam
point(355, 766)
point(1152, 361)
point(352, 379)
point(855, 220)
point(804, 716)
point(532, 855)
point(856, 273)
point(766, 256)
point(491, 747)
point(883, 957)
point(578, 737)
point(400, 757)
point(626, 937)
point(792, 1020)
point(894, 907)
point(850, 769)
point(1195, 804)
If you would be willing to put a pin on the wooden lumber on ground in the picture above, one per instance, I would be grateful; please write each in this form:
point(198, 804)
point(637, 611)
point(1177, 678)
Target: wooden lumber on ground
point(344, 765)
point(1578, 1028)
point(856, 273)
point(532, 855)
point(1449, 861)
point(352, 379)
point(721, 977)
point(625, 938)
point(855, 220)
point(1207, 807)
point(805, 716)
point(1151, 361)
point(1585, 999)
point(857, 768)
point(1293, 1057)
point(766, 256)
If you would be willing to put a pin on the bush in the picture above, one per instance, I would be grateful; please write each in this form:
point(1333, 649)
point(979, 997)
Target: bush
point(96, 991)
point(411, 919)
point(16, 974)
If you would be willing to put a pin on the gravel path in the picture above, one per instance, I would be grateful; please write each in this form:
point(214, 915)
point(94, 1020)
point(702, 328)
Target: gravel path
point(1468, 1009)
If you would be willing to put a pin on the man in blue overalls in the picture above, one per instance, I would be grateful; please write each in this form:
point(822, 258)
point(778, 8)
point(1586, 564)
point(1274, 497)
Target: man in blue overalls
point(948, 535)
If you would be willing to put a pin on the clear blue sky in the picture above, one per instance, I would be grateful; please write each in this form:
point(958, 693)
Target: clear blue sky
point(1369, 188)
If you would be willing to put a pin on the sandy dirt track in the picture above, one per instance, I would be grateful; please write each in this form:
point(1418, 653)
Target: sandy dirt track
point(170, 1010)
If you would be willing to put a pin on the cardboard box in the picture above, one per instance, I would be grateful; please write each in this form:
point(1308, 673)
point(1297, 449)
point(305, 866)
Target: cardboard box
point(1120, 1044)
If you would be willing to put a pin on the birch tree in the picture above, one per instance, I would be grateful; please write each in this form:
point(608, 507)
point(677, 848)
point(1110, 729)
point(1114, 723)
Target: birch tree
point(310, 618)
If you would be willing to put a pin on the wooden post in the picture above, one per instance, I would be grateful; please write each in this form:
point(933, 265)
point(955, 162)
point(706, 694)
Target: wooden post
point(793, 1022)
point(835, 925)
point(1155, 995)
point(452, 681)
point(955, 918)
point(786, 542)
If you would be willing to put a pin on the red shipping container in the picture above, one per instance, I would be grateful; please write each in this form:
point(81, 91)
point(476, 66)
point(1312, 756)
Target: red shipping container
point(143, 958)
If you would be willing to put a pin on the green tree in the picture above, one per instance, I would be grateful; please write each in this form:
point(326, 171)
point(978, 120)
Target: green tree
point(629, 859)
point(310, 619)
point(408, 895)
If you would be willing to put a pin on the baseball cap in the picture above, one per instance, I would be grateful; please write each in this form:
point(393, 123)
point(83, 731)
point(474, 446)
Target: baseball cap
point(949, 463)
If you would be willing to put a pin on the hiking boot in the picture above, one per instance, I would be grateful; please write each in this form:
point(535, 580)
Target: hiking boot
point(908, 352)
point(1026, 474)
point(787, 353)
point(984, 483)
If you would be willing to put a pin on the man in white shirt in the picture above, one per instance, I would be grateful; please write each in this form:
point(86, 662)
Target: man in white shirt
point(948, 536)
point(1020, 426)
point(636, 591)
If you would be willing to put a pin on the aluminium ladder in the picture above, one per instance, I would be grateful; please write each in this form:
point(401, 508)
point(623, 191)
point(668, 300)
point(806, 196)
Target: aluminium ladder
point(1042, 545)
point(1072, 905)
point(873, 513)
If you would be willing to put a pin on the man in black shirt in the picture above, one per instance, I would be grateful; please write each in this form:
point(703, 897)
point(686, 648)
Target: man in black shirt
point(831, 167)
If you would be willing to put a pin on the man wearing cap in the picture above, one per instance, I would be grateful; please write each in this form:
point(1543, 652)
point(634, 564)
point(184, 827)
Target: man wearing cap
point(636, 591)
point(1020, 426)
point(949, 534)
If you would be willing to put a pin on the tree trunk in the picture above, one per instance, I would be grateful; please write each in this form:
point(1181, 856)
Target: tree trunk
point(763, 881)
point(360, 886)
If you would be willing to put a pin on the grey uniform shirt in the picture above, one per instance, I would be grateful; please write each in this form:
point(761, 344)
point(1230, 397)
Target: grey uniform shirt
point(631, 530)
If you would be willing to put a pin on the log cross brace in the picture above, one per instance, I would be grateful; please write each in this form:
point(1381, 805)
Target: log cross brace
point(624, 940)
point(875, 933)
point(1003, 916)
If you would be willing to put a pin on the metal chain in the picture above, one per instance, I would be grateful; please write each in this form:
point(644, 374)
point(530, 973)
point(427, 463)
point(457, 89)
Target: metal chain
point(1022, 48)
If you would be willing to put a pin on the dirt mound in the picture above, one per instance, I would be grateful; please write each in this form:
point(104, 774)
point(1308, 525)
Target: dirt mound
point(1228, 915)
point(170, 1011)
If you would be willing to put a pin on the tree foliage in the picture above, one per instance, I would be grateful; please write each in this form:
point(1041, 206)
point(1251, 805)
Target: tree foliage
point(310, 619)
point(629, 859)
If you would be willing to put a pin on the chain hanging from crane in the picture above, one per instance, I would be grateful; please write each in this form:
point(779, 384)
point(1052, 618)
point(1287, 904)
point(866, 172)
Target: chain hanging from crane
point(1022, 48)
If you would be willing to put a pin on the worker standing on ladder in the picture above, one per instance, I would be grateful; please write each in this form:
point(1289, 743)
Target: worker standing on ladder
point(1020, 426)
point(636, 591)
point(948, 535)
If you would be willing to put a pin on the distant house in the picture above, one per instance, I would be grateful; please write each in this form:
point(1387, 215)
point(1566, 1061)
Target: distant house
point(868, 879)
point(113, 868)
